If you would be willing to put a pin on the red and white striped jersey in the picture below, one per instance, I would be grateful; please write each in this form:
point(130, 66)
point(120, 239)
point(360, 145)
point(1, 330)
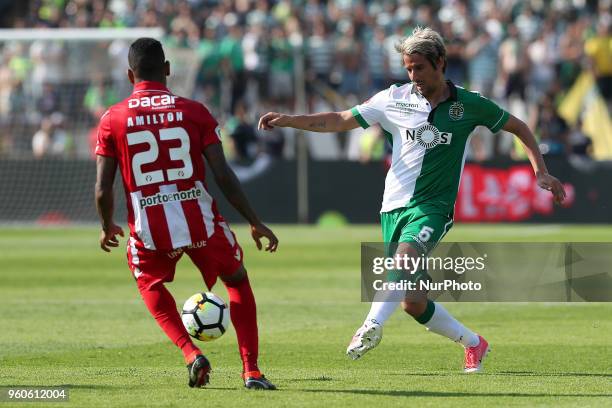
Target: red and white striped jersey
point(158, 139)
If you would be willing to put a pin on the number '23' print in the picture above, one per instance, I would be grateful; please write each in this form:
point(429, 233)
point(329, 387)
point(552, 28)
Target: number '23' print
point(180, 153)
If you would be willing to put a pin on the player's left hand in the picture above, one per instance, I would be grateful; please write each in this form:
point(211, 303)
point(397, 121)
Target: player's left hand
point(552, 184)
point(258, 231)
point(109, 238)
point(272, 119)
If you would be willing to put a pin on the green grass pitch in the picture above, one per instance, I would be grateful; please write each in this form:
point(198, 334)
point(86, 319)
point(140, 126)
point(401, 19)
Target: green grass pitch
point(71, 315)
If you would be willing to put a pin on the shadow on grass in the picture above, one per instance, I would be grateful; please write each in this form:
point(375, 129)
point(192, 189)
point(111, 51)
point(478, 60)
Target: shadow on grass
point(418, 393)
point(92, 386)
point(505, 373)
point(540, 374)
point(69, 386)
point(428, 374)
point(321, 378)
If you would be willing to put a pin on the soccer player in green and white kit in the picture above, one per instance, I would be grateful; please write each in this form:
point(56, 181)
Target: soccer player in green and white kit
point(428, 122)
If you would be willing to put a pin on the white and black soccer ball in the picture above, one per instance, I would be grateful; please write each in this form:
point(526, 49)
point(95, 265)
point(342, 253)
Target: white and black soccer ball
point(205, 316)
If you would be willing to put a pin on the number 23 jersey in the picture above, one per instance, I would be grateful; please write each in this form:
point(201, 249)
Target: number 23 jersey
point(158, 139)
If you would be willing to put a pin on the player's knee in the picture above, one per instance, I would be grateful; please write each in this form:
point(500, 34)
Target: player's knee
point(407, 249)
point(239, 276)
point(147, 285)
point(414, 309)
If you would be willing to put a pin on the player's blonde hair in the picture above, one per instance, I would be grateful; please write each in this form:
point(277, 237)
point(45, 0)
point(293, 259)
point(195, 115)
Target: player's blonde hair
point(424, 41)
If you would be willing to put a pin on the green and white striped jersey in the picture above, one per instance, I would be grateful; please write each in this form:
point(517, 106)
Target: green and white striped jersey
point(429, 146)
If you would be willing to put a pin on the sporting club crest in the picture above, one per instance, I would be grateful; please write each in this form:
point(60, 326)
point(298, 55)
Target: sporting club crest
point(455, 112)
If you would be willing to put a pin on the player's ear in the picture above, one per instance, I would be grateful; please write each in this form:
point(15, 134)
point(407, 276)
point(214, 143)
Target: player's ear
point(130, 75)
point(167, 68)
point(440, 63)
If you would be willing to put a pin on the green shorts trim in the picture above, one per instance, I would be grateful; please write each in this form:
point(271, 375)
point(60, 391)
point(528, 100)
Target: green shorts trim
point(412, 225)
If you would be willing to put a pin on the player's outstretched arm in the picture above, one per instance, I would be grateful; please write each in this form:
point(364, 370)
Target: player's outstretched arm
point(231, 188)
point(545, 180)
point(106, 167)
point(317, 122)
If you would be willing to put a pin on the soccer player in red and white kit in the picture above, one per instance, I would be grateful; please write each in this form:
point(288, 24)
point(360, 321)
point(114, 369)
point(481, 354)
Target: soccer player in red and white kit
point(158, 140)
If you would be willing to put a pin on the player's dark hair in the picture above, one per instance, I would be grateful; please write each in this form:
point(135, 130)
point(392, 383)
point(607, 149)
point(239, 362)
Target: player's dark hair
point(147, 59)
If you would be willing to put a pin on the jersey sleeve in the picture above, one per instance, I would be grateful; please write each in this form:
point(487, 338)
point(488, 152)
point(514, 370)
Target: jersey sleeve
point(105, 145)
point(372, 110)
point(210, 129)
point(491, 115)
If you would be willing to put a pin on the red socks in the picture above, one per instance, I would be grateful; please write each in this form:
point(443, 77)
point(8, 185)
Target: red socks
point(243, 313)
point(161, 304)
point(244, 318)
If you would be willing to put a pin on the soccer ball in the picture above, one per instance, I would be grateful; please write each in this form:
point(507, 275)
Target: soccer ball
point(205, 316)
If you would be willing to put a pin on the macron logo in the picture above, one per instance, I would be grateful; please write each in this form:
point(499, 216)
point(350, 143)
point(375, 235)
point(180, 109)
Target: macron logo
point(151, 101)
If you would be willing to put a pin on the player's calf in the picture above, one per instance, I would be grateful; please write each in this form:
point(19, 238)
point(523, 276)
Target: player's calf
point(414, 308)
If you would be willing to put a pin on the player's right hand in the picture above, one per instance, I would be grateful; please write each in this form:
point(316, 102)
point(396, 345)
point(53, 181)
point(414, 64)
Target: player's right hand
point(552, 184)
point(258, 231)
point(271, 119)
point(109, 238)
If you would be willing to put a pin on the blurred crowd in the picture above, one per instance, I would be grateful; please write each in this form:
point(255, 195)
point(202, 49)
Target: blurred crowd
point(245, 57)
